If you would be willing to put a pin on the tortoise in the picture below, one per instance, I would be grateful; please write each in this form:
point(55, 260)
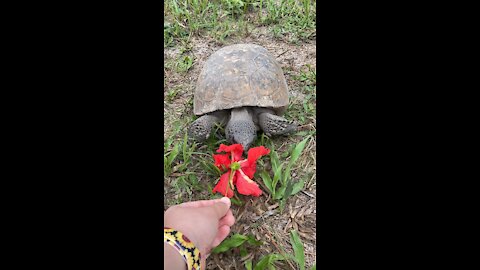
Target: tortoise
point(242, 87)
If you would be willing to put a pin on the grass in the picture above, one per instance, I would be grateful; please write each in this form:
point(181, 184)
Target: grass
point(295, 20)
point(289, 169)
point(303, 106)
point(245, 243)
point(280, 185)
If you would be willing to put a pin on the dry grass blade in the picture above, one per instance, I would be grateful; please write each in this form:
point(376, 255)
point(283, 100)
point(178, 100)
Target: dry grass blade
point(280, 250)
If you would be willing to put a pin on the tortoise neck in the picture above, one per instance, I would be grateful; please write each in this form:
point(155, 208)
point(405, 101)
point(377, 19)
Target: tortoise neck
point(239, 114)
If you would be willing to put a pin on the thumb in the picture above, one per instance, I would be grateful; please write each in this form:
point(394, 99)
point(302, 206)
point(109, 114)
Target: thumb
point(221, 207)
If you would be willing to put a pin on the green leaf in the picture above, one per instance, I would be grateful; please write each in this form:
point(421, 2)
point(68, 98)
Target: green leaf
point(235, 201)
point(267, 261)
point(295, 155)
point(274, 159)
point(252, 241)
point(298, 150)
point(297, 187)
point(244, 253)
point(214, 195)
point(298, 249)
point(167, 144)
point(277, 175)
point(280, 192)
point(173, 154)
point(288, 190)
point(234, 241)
point(267, 181)
point(262, 264)
point(286, 175)
point(248, 264)
point(185, 148)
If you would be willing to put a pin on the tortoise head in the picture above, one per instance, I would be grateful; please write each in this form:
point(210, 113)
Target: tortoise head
point(241, 129)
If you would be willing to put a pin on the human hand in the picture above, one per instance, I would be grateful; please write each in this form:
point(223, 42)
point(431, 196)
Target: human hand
point(206, 223)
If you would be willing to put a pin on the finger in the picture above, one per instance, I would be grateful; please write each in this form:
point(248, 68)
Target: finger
point(203, 262)
point(221, 207)
point(221, 235)
point(201, 203)
point(228, 219)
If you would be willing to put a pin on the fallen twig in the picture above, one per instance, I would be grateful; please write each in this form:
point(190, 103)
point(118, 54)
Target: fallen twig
point(308, 194)
point(282, 53)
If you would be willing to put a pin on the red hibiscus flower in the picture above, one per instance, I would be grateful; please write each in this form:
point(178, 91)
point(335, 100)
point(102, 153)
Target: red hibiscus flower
point(239, 171)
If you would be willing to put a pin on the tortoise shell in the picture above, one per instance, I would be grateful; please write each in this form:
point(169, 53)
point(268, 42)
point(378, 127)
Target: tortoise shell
point(240, 75)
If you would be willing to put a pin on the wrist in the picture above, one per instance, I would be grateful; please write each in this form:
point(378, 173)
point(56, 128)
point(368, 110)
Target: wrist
point(172, 258)
point(188, 232)
point(187, 250)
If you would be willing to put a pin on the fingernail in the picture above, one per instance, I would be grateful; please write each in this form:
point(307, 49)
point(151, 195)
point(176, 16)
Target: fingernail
point(225, 200)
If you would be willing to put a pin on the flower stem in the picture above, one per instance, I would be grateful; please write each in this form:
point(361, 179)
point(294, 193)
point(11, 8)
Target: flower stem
point(230, 178)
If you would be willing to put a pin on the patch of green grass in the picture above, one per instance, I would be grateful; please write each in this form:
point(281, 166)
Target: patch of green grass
point(189, 166)
point(239, 242)
point(181, 64)
point(290, 18)
point(298, 256)
point(168, 159)
point(280, 185)
point(302, 108)
point(222, 19)
point(172, 94)
point(179, 158)
point(184, 63)
point(188, 183)
point(308, 74)
point(209, 167)
point(234, 7)
point(223, 30)
point(171, 152)
point(270, 261)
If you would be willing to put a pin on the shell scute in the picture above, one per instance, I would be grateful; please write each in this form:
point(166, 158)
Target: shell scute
point(240, 75)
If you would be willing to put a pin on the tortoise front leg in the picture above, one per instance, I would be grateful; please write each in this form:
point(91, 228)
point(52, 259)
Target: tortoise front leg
point(201, 128)
point(273, 124)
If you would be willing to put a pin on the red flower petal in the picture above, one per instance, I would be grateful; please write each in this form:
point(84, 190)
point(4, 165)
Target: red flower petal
point(249, 166)
point(235, 177)
point(223, 186)
point(222, 161)
point(247, 186)
point(236, 149)
point(257, 152)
